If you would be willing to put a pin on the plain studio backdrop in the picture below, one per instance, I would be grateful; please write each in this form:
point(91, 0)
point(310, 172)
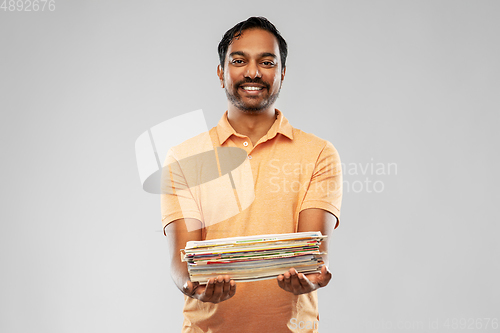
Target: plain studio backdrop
point(407, 91)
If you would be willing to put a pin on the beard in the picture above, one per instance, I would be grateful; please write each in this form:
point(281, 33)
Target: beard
point(236, 99)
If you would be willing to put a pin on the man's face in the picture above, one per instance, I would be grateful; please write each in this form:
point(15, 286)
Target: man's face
point(252, 73)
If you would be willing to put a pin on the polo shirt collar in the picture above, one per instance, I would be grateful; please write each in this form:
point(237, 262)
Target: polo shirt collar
point(281, 125)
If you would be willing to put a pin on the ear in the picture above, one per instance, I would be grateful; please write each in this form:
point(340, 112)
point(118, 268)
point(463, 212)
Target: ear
point(220, 74)
point(283, 74)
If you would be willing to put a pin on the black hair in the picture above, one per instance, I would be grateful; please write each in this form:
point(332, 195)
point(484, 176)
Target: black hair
point(252, 22)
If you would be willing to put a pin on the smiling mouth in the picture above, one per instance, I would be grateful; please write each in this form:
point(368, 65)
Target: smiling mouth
point(249, 88)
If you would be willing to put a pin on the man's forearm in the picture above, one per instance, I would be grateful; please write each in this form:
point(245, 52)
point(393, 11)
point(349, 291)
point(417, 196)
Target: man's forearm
point(178, 236)
point(180, 274)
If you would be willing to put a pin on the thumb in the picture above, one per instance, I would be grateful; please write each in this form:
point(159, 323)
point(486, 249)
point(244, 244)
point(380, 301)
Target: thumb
point(189, 287)
point(324, 277)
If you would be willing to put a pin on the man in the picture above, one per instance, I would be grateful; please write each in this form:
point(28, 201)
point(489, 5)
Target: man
point(298, 187)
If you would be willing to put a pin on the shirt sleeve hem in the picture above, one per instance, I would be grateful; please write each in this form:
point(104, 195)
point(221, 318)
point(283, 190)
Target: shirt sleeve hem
point(322, 205)
point(167, 219)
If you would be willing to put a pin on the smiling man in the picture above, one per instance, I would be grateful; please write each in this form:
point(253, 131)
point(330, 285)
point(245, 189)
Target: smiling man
point(297, 180)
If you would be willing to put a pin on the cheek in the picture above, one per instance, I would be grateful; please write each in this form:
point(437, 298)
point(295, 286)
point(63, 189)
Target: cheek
point(229, 79)
point(277, 81)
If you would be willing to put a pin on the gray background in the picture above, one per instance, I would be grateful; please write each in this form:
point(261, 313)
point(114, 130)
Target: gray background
point(414, 83)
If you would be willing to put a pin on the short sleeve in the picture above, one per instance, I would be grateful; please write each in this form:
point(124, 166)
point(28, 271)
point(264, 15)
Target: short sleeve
point(325, 188)
point(177, 199)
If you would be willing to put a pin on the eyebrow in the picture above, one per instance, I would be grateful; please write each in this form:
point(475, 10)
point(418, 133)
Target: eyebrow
point(262, 55)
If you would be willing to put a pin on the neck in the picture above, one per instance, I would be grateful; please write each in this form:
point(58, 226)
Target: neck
point(252, 124)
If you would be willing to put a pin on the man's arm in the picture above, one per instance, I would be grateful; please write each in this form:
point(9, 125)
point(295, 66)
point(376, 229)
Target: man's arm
point(217, 289)
point(311, 219)
point(316, 219)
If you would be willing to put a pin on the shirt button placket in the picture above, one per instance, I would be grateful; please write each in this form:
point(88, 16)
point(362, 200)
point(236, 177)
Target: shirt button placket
point(245, 143)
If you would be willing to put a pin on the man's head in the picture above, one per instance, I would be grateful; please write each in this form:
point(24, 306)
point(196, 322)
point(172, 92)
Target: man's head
point(252, 23)
point(252, 64)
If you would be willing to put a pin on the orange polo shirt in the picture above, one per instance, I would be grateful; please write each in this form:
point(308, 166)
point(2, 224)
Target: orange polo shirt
point(286, 172)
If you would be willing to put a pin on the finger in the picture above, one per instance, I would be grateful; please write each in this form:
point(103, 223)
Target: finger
point(232, 288)
point(304, 281)
point(281, 281)
point(294, 280)
point(328, 273)
point(189, 287)
point(219, 285)
point(288, 280)
point(325, 276)
point(209, 290)
point(287, 277)
point(227, 286)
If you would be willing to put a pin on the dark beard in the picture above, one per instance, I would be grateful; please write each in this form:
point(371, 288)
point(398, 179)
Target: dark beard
point(237, 102)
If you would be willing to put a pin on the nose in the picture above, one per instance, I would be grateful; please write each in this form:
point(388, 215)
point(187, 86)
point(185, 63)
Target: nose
point(252, 70)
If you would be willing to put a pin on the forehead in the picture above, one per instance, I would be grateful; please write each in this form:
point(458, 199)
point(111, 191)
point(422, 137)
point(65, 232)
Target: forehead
point(254, 42)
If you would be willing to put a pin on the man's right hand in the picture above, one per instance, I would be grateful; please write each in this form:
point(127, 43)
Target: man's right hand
point(216, 290)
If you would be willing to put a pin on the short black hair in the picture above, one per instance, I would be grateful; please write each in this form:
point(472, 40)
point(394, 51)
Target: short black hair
point(252, 22)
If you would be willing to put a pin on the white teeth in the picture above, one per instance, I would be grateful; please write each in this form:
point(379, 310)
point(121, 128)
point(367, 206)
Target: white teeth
point(252, 88)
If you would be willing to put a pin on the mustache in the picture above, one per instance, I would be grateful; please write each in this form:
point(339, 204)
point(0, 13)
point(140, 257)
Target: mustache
point(256, 80)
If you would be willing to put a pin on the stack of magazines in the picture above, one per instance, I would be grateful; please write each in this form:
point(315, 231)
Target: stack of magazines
point(253, 258)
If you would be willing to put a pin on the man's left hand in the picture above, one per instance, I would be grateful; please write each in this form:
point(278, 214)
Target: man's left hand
point(299, 283)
